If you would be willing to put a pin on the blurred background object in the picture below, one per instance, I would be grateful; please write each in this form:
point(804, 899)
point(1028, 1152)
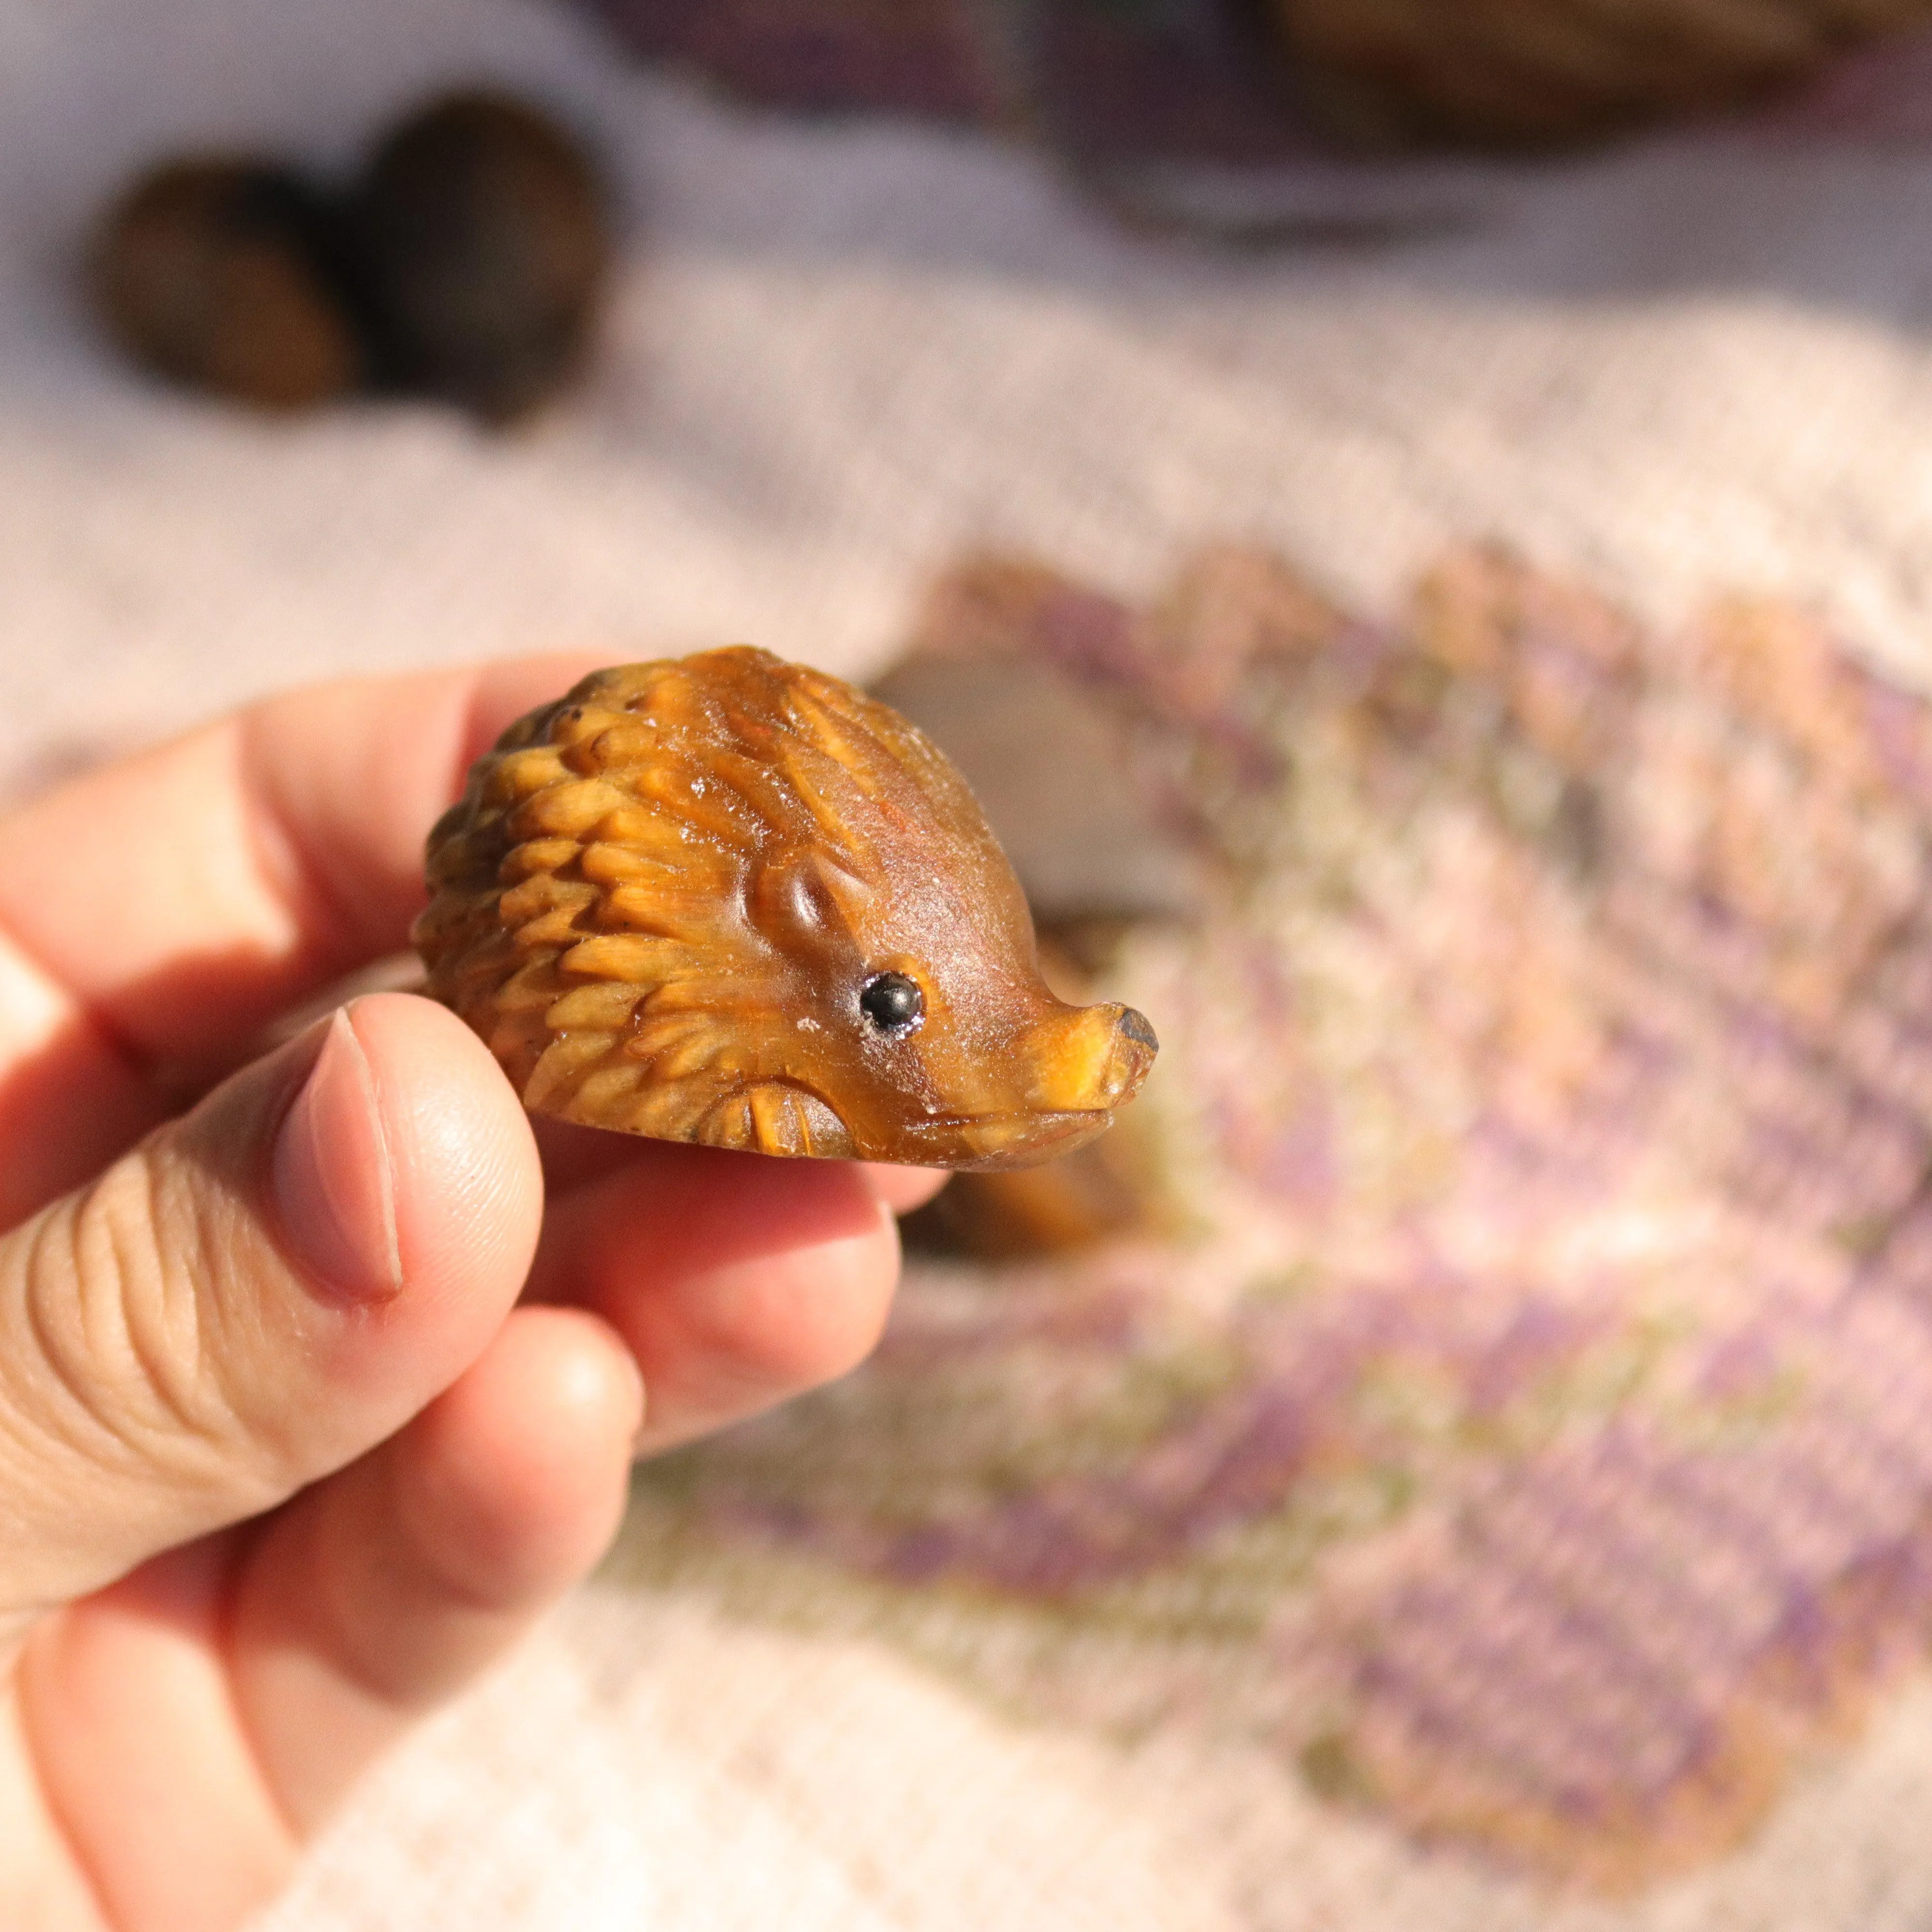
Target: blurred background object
point(1552, 73)
point(1549, 1105)
point(1100, 1192)
point(936, 58)
point(215, 273)
point(467, 263)
point(1053, 768)
point(1102, 847)
point(1256, 80)
point(480, 246)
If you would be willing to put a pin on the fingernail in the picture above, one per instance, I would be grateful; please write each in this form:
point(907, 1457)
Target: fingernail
point(334, 1190)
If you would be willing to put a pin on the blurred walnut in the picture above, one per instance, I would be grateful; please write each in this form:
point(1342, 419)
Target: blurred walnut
point(1542, 73)
point(466, 265)
point(211, 272)
point(481, 248)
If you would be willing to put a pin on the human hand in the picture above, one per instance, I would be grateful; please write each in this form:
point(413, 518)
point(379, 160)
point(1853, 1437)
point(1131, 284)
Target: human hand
point(312, 1397)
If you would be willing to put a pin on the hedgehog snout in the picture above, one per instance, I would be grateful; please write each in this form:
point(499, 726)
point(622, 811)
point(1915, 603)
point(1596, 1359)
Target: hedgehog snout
point(1091, 1058)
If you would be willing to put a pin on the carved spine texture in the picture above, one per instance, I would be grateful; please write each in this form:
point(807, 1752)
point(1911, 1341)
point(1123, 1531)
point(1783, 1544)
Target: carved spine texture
point(661, 897)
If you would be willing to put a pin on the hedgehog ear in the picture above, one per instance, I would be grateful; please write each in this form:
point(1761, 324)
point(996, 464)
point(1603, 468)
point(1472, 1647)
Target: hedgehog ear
point(802, 894)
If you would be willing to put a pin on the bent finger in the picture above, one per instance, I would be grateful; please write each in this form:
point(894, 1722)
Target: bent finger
point(903, 1188)
point(184, 897)
point(383, 1591)
point(736, 1279)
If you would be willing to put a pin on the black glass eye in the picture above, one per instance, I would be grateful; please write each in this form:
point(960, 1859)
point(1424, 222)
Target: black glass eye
point(893, 1003)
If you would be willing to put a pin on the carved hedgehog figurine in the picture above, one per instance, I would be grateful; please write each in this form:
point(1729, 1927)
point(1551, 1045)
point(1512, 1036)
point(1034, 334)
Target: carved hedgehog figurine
point(732, 901)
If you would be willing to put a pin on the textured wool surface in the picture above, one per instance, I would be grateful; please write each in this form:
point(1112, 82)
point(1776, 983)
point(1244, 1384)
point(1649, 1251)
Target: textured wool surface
point(1523, 1439)
point(838, 357)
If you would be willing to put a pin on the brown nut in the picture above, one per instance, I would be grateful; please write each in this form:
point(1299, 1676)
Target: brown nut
point(732, 901)
point(211, 272)
point(480, 252)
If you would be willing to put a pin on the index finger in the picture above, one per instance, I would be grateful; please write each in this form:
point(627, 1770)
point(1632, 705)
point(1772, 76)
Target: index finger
point(184, 897)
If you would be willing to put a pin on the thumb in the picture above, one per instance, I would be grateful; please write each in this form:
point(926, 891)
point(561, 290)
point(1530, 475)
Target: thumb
point(257, 1294)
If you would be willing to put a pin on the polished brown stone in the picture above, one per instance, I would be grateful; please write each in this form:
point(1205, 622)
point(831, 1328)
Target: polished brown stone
point(729, 900)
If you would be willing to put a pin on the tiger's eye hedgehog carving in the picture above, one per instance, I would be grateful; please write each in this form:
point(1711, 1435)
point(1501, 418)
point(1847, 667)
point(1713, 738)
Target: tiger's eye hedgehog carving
point(732, 901)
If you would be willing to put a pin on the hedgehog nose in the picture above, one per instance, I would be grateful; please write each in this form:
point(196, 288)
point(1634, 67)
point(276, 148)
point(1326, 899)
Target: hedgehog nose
point(1096, 1058)
point(1135, 1044)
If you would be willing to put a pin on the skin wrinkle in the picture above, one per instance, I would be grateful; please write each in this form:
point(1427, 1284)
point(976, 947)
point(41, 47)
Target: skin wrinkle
point(139, 1413)
point(28, 1438)
point(134, 1238)
point(135, 1280)
point(277, 1462)
point(53, 1350)
point(191, 1379)
point(162, 1316)
point(21, 1702)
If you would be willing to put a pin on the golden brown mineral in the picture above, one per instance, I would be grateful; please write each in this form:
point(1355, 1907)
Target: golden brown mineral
point(732, 901)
